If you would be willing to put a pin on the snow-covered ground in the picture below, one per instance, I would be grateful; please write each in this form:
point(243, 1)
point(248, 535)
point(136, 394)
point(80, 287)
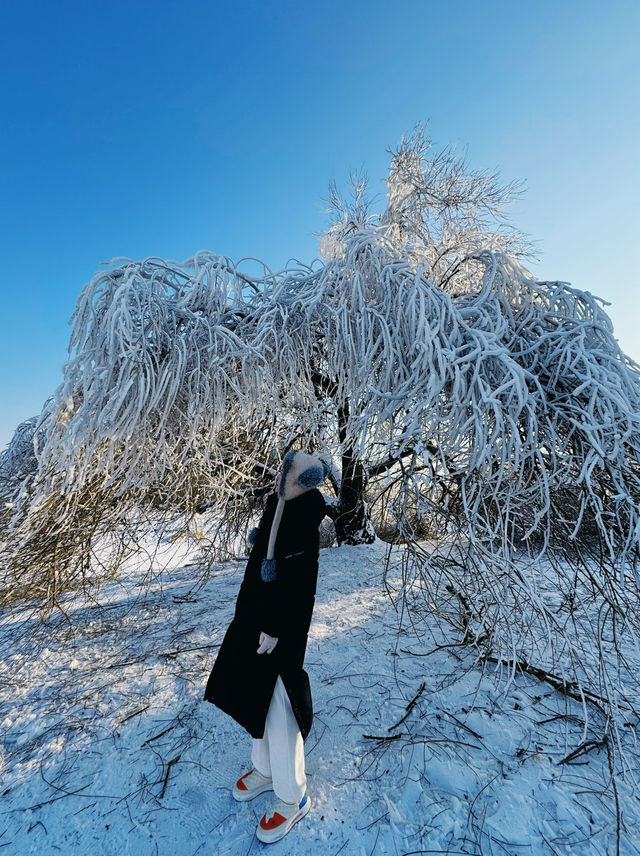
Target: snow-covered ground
point(108, 747)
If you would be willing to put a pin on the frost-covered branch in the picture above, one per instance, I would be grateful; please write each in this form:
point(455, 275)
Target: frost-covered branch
point(454, 393)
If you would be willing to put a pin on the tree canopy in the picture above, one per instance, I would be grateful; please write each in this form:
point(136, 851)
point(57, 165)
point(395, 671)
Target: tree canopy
point(457, 397)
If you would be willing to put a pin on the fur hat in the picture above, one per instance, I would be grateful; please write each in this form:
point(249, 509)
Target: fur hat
point(300, 472)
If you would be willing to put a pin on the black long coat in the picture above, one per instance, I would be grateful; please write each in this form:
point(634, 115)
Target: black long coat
point(242, 681)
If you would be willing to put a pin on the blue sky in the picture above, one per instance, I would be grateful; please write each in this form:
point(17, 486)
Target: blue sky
point(161, 128)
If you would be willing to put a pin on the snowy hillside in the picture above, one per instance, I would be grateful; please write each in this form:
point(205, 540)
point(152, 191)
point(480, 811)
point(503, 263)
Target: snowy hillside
point(108, 748)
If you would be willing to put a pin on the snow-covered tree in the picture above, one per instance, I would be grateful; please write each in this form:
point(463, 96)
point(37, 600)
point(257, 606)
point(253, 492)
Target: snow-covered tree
point(455, 394)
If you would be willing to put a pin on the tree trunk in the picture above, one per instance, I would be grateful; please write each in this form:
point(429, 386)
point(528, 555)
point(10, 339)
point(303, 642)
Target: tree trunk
point(352, 521)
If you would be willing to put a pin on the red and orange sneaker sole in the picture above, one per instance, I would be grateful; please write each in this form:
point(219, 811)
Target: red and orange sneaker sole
point(275, 826)
point(243, 791)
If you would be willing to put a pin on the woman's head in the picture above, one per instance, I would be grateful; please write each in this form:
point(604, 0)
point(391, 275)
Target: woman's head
point(299, 473)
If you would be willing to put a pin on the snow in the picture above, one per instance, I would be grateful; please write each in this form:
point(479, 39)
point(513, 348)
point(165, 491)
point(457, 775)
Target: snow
point(100, 714)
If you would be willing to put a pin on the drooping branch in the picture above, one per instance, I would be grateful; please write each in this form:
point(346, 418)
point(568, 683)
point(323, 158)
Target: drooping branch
point(486, 407)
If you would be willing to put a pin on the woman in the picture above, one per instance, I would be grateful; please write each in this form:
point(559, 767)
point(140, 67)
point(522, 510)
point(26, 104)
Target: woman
point(258, 676)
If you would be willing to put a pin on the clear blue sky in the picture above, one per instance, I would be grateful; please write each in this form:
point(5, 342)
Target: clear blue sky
point(161, 128)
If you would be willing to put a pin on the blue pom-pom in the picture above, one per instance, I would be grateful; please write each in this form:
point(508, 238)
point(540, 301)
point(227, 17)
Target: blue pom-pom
point(251, 537)
point(268, 570)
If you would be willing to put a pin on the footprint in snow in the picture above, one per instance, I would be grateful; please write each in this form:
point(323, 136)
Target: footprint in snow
point(201, 811)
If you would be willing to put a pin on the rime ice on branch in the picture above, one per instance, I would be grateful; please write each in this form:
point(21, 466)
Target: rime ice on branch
point(456, 394)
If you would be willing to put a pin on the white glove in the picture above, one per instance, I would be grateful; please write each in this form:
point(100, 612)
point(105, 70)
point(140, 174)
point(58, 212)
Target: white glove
point(267, 643)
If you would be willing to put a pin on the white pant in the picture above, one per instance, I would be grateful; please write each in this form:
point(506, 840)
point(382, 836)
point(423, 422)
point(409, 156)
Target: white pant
point(280, 753)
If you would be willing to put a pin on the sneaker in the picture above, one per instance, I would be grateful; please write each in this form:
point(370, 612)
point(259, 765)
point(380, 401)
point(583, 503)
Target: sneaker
point(250, 785)
point(274, 825)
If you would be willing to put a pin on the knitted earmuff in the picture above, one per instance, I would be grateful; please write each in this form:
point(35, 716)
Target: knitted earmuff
point(300, 472)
